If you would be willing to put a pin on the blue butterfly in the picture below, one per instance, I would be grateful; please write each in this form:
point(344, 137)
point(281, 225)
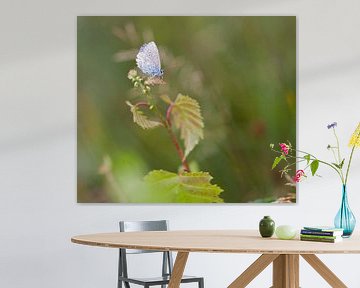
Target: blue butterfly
point(148, 60)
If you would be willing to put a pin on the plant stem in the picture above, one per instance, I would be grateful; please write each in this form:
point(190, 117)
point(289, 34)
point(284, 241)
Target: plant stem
point(333, 152)
point(338, 149)
point(338, 145)
point(311, 159)
point(167, 125)
point(348, 167)
point(178, 149)
point(296, 162)
point(323, 162)
point(143, 103)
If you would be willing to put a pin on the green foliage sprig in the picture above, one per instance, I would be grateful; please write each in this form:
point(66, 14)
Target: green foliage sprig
point(292, 157)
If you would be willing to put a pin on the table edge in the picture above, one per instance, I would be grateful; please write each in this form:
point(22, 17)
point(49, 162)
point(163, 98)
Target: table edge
point(203, 250)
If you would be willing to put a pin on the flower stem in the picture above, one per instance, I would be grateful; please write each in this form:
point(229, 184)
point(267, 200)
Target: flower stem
point(311, 159)
point(338, 145)
point(333, 152)
point(296, 162)
point(339, 162)
point(323, 162)
point(348, 167)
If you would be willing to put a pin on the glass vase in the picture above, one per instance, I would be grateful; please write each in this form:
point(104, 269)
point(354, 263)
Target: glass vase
point(345, 219)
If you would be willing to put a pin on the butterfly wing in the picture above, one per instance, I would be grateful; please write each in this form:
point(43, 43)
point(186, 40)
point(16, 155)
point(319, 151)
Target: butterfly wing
point(148, 59)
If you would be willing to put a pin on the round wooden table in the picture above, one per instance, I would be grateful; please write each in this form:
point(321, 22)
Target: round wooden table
point(284, 254)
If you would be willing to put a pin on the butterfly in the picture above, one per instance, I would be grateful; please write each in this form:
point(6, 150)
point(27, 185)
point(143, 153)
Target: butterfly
point(148, 60)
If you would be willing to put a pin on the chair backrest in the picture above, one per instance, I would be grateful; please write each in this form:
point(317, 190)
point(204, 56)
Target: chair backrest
point(134, 226)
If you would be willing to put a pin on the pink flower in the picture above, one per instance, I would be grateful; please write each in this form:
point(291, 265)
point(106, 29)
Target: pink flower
point(299, 175)
point(284, 148)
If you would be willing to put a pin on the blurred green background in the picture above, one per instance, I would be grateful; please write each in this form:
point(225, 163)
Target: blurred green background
point(242, 71)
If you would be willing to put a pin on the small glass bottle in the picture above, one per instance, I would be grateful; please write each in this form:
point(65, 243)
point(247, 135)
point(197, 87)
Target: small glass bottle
point(266, 226)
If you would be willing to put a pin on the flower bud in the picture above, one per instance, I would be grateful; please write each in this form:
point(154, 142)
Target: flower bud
point(132, 74)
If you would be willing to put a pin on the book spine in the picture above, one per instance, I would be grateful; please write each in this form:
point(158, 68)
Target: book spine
point(319, 233)
point(317, 239)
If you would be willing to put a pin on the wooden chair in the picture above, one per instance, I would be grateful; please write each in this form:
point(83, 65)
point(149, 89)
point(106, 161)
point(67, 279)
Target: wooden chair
point(167, 262)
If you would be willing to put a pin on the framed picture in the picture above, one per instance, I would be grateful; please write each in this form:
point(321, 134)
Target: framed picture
point(184, 109)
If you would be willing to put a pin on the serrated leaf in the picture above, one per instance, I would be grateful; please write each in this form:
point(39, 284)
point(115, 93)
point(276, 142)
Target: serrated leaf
point(307, 158)
point(314, 166)
point(142, 120)
point(191, 187)
point(187, 117)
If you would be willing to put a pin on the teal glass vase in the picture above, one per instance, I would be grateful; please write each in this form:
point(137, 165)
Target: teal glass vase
point(345, 219)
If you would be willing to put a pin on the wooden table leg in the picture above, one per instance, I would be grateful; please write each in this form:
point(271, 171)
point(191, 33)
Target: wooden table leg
point(253, 270)
point(286, 271)
point(324, 271)
point(178, 269)
point(279, 269)
point(293, 262)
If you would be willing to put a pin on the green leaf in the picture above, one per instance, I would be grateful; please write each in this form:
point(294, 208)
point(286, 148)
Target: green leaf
point(339, 166)
point(166, 98)
point(142, 120)
point(191, 187)
point(314, 166)
point(307, 158)
point(336, 165)
point(277, 161)
point(187, 117)
point(342, 163)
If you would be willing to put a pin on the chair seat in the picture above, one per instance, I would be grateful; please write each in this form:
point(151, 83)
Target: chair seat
point(158, 280)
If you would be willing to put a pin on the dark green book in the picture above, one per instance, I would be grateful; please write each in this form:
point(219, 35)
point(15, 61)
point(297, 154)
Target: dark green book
point(319, 236)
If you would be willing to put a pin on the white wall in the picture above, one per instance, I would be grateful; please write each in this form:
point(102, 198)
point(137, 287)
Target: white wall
point(38, 209)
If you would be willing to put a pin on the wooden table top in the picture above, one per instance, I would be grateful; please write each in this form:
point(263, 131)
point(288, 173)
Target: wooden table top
point(217, 241)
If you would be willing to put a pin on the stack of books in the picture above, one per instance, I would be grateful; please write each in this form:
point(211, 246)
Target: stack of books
point(321, 234)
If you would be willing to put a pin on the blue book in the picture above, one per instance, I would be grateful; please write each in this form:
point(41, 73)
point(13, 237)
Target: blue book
point(322, 231)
